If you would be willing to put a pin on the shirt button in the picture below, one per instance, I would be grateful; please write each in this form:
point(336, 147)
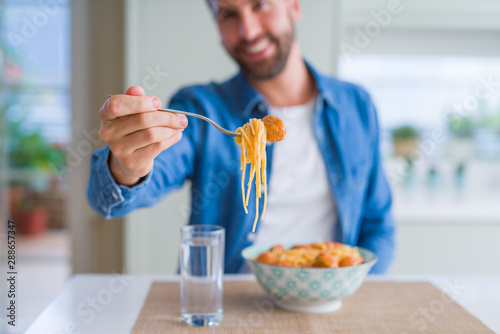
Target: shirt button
point(251, 236)
point(114, 195)
point(261, 107)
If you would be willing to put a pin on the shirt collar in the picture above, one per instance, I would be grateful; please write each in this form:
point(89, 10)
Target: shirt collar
point(250, 98)
point(323, 86)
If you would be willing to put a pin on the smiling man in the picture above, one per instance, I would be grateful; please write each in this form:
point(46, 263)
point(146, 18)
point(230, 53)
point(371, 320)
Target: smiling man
point(326, 180)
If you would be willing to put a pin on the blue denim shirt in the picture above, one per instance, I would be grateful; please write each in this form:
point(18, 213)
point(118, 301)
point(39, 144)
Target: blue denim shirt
point(346, 129)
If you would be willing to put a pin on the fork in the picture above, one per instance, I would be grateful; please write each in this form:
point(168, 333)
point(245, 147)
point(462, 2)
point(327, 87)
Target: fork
point(220, 128)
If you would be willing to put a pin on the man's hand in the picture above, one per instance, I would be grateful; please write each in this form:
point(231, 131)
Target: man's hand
point(136, 133)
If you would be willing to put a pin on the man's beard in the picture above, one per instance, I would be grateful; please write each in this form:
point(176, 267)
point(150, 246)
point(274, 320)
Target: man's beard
point(268, 68)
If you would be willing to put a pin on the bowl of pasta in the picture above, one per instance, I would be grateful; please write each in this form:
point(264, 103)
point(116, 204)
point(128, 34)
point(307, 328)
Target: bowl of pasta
point(310, 278)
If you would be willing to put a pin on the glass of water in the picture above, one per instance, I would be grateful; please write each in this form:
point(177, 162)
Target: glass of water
point(202, 268)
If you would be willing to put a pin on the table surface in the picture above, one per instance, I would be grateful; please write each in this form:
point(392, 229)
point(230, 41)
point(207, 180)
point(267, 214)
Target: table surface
point(110, 303)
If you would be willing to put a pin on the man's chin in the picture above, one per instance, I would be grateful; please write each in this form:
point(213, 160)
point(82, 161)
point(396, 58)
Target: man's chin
point(260, 76)
point(261, 71)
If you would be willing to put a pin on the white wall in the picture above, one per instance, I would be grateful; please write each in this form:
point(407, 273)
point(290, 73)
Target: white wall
point(448, 248)
point(416, 27)
point(427, 14)
point(180, 37)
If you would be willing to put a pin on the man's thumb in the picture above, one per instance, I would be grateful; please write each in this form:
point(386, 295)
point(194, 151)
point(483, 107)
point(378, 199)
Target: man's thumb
point(136, 91)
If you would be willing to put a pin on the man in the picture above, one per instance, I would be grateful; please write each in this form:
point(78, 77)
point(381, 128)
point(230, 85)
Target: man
point(325, 179)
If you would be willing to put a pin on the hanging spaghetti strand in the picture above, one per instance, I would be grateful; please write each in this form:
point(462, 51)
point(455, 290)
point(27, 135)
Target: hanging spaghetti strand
point(253, 151)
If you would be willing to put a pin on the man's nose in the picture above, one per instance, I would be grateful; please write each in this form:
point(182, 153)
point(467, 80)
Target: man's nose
point(250, 26)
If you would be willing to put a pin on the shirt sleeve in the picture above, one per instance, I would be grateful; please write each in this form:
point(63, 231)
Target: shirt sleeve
point(377, 225)
point(171, 168)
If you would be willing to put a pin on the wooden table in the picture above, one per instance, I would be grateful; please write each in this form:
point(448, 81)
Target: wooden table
point(92, 303)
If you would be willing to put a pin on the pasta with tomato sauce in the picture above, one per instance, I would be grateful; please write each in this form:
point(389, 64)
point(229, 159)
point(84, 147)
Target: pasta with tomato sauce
point(327, 254)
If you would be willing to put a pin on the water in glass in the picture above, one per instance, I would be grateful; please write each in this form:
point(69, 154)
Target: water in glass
point(201, 282)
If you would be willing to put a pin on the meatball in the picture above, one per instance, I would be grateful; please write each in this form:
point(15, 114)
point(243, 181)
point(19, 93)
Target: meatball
point(277, 249)
point(267, 257)
point(348, 261)
point(275, 128)
point(325, 260)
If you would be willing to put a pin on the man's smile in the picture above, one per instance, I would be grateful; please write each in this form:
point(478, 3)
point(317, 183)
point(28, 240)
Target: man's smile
point(258, 50)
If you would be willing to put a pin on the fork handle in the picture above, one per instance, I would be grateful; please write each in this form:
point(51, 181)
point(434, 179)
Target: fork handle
point(227, 132)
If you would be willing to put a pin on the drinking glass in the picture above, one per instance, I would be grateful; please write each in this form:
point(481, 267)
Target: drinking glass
point(202, 268)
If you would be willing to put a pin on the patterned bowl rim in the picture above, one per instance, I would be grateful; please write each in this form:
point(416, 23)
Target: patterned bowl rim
point(258, 249)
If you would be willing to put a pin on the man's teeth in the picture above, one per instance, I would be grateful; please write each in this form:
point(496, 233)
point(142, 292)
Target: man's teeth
point(259, 47)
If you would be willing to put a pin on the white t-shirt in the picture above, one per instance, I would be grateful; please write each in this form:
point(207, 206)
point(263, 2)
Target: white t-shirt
point(300, 205)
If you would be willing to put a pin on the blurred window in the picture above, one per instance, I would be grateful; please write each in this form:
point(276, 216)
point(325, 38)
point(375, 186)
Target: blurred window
point(429, 93)
point(425, 63)
point(35, 38)
point(433, 71)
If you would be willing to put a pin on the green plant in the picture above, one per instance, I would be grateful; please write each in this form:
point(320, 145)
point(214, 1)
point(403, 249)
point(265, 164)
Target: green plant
point(405, 132)
point(461, 126)
point(491, 121)
point(30, 150)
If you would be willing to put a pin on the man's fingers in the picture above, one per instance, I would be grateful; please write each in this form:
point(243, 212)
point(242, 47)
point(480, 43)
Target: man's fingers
point(136, 132)
point(124, 126)
point(147, 120)
point(136, 91)
point(151, 151)
point(143, 138)
point(123, 105)
point(139, 162)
